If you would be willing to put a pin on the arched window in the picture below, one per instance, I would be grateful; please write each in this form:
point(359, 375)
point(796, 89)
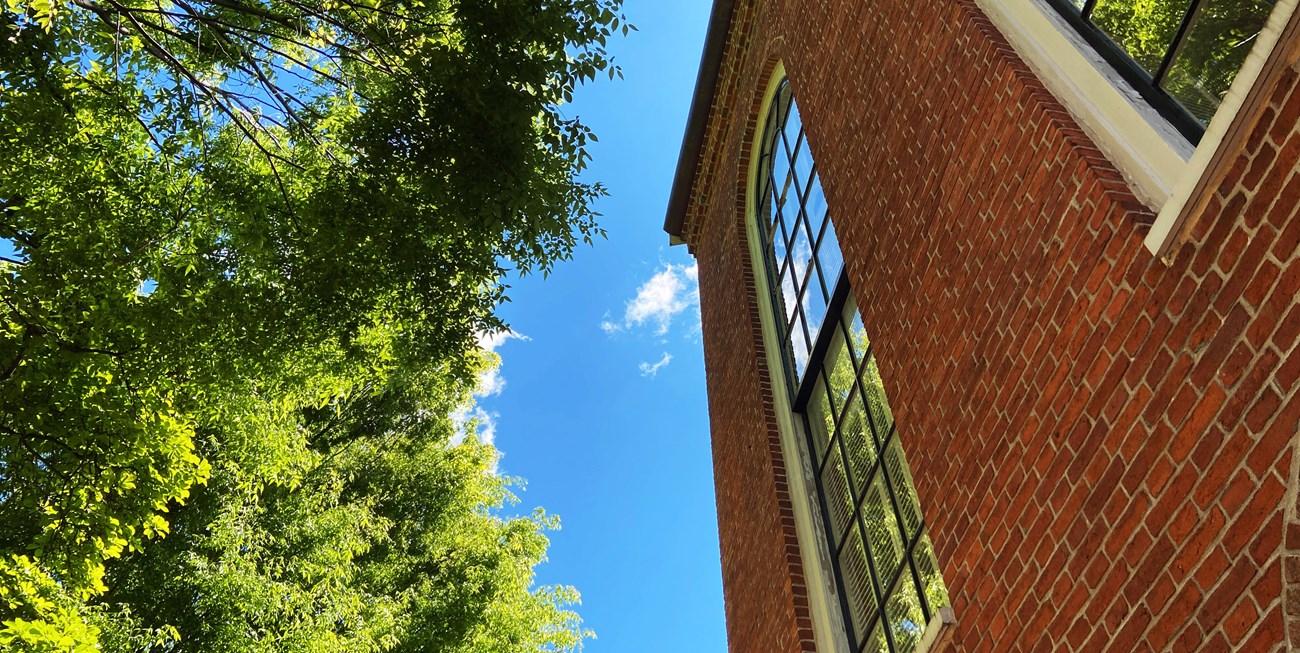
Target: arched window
point(890, 589)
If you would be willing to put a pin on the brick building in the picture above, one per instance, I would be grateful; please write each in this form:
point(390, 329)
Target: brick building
point(1000, 322)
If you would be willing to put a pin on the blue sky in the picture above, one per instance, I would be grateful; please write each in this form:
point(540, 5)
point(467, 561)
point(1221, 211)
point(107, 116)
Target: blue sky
point(600, 404)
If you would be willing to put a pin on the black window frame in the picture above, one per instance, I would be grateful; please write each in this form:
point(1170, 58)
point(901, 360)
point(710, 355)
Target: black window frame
point(802, 384)
point(1146, 84)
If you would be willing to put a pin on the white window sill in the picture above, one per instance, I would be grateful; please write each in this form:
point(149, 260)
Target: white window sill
point(937, 632)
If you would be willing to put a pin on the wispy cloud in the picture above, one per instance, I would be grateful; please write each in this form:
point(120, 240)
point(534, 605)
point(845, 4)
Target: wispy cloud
point(473, 419)
point(490, 381)
point(668, 293)
point(491, 341)
point(651, 369)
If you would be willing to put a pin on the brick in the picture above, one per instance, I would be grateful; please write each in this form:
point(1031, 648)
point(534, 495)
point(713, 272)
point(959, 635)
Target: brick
point(1285, 121)
point(1289, 326)
point(1260, 164)
point(1229, 589)
point(1249, 525)
point(1239, 278)
point(1266, 405)
point(1277, 176)
point(1282, 216)
point(1261, 283)
point(1269, 634)
point(1273, 443)
point(1217, 350)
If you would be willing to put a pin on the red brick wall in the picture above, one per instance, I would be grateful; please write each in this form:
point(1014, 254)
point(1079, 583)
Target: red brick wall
point(1101, 442)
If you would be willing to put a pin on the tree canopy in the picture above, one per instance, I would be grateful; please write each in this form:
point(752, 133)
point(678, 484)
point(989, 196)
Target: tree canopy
point(255, 242)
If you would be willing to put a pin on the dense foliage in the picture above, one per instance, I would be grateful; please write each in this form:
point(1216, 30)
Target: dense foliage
point(255, 241)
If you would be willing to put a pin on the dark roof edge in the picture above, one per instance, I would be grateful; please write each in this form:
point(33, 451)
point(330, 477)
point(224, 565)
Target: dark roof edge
point(688, 161)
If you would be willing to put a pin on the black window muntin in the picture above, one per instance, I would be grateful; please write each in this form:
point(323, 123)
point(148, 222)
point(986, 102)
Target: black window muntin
point(804, 381)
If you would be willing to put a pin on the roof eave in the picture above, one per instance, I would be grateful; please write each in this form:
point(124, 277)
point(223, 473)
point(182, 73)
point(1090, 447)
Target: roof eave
point(706, 85)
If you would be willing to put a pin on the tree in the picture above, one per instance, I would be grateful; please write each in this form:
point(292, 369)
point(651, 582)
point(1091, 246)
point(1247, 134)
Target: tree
point(241, 226)
point(389, 542)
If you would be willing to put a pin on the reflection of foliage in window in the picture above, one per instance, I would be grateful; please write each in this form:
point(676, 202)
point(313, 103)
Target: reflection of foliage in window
point(1144, 28)
point(858, 445)
point(820, 420)
point(841, 372)
point(857, 579)
point(882, 531)
point(901, 478)
point(935, 591)
point(1207, 58)
point(881, 415)
point(906, 621)
point(838, 501)
point(1216, 46)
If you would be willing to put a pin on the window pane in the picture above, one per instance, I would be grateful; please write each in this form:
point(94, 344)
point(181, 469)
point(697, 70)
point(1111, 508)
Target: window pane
point(793, 125)
point(803, 164)
point(903, 610)
point(814, 304)
point(828, 254)
point(858, 445)
point(777, 230)
point(858, 333)
point(821, 424)
point(882, 530)
point(900, 479)
point(839, 504)
point(789, 295)
point(800, 346)
point(800, 251)
point(928, 567)
point(840, 370)
point(781, 179)
point(815, 205)
point(877, 640)
point(1216, 44)
point(881, 416)
point(863, 604)
point(766, 214)
point(1142, 28)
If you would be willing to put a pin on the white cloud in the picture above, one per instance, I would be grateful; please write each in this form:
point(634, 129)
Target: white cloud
point(651, 369)
point(474, 421)
point(669, 292)
point(490, 341)
point(484, 426)
point(490, 381)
